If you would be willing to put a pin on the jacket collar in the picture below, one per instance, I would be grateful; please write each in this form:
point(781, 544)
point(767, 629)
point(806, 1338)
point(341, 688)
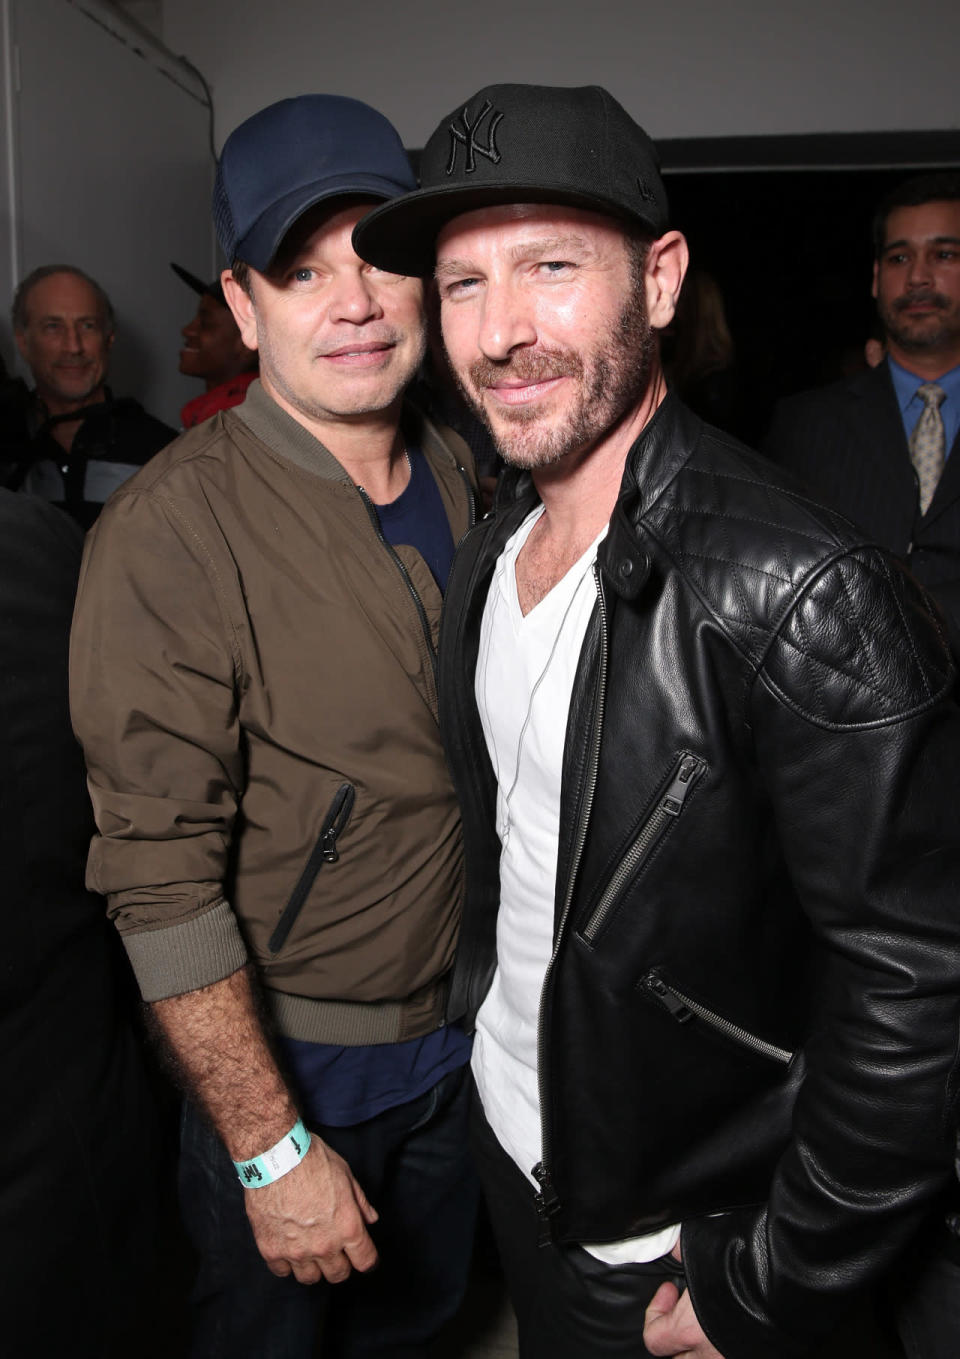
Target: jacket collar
point(665, 443)
point(290, 440)
point(663, 448)
point(284, 436)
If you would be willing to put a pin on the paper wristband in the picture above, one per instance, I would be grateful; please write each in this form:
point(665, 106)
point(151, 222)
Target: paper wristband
point(287, 1153)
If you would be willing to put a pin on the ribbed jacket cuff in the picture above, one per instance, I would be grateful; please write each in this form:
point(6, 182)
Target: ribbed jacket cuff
point(178, 958)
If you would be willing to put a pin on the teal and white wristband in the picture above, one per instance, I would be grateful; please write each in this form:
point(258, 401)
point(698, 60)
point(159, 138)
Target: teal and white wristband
point(286, 1155)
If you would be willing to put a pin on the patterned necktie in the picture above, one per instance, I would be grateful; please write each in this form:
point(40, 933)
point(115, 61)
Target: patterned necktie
point(928, 442)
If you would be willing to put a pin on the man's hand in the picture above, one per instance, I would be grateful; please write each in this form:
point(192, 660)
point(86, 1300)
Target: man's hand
point(672, 1327)
point(313, 1220)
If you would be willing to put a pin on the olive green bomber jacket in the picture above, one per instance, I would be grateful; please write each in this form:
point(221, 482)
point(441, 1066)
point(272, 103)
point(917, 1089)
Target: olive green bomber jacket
point(252, 679)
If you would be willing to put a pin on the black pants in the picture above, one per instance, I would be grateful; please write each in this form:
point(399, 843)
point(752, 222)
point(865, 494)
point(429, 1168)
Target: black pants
point(569, 1305)
point(928, 1302)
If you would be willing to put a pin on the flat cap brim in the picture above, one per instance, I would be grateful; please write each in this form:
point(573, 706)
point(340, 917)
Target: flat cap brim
point(401, 235)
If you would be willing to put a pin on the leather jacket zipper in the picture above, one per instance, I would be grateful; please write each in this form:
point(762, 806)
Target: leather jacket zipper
point(547, 1200)
point(685, 774)
point(684, 1009)
point(324, 852)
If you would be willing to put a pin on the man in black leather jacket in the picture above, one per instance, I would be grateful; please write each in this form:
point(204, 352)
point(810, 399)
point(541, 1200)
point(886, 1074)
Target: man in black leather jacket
point(706, 744)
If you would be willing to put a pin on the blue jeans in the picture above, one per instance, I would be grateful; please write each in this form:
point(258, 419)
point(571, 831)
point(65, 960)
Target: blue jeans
point(413, 1165)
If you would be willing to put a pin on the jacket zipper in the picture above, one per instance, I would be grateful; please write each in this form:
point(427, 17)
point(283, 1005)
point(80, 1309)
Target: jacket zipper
point(685, 774)
point(683, 1009)
point(324, 852)
point(471, 502)
point(547, 1200)
point(421, 611)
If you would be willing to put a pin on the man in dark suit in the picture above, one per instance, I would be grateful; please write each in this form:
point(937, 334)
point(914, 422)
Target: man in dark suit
point(883, 448)
point(878, 446)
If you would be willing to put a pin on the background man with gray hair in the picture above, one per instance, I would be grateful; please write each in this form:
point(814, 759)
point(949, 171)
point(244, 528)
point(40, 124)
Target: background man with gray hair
point(82, 441)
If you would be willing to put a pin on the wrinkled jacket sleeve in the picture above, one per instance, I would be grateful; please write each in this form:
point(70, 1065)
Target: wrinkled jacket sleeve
point(858, 740)
point(155, 666)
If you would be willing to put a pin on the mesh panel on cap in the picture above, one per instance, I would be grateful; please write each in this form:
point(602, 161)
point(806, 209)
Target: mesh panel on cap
point(223, 220)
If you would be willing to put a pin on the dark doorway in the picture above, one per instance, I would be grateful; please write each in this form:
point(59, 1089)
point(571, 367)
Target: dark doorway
point(783, 224)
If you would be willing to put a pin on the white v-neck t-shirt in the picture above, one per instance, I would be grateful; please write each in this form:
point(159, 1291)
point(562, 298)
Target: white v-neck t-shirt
point(525, 672)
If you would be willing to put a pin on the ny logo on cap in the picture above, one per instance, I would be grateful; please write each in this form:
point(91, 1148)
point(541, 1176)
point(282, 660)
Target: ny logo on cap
point(468, 139)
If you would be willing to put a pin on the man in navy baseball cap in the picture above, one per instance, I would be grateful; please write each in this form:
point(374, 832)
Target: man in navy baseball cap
point(268, 598)
point(293, 155)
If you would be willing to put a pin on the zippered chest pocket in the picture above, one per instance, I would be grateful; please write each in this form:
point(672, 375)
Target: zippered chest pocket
point(324, 852)
point(661, 820)
point(686, 1010)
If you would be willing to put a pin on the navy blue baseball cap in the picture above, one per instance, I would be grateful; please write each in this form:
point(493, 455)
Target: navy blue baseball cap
point(294, 154)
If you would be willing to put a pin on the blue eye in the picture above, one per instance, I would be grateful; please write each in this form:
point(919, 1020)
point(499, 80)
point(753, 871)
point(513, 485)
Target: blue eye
point(461, 285)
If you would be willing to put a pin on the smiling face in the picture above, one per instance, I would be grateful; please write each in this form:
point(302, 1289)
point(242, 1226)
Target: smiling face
point(545, 319)
point(339, 340)
point(65, 342)
point(213, 348)
point(916, 282)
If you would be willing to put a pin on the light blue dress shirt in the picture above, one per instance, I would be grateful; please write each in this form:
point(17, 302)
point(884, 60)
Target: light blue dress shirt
point(911, 406)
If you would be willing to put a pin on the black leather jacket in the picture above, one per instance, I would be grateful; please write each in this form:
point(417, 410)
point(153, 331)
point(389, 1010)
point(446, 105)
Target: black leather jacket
point(750, 1020)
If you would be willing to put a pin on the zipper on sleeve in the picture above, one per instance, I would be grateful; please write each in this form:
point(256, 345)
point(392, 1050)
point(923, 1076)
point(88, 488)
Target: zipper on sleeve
point(684, 1010)
point(685, 774)
point(324, 852)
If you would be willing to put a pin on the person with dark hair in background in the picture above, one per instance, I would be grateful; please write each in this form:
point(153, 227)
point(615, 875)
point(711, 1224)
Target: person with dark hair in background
point(254, 684)
point(706, 744)
point(83, 441)
point(213, 350)
point(699, 357)
point(882, 446)
point(78, 1136)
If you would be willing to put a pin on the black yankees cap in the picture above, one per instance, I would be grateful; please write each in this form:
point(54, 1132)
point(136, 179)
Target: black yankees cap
point(214, 289)
point(520, 144)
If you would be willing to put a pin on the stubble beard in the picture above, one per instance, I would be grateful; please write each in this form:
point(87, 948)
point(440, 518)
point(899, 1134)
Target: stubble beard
point(306, 401)
point(921, 335)
point(612, 379)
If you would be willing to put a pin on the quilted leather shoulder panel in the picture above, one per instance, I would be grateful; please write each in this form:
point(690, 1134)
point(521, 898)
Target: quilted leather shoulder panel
point(863, 646)
point(745, 537)
point(838, 629)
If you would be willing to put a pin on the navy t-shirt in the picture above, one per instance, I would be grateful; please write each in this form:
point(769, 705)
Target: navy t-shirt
point(346, 1085)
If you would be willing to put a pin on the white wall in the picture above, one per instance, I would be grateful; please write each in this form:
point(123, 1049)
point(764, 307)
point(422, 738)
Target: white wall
point(684, 68)
point(104, 164)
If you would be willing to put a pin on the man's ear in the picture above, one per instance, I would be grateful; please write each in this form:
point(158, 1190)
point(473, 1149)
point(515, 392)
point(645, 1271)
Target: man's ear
point(666, 265)
point(241, 304)
point(876, 273)
point(21, 338)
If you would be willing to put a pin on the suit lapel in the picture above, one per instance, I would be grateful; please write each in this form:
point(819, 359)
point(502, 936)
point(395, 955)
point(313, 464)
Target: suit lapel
point(874, 418)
